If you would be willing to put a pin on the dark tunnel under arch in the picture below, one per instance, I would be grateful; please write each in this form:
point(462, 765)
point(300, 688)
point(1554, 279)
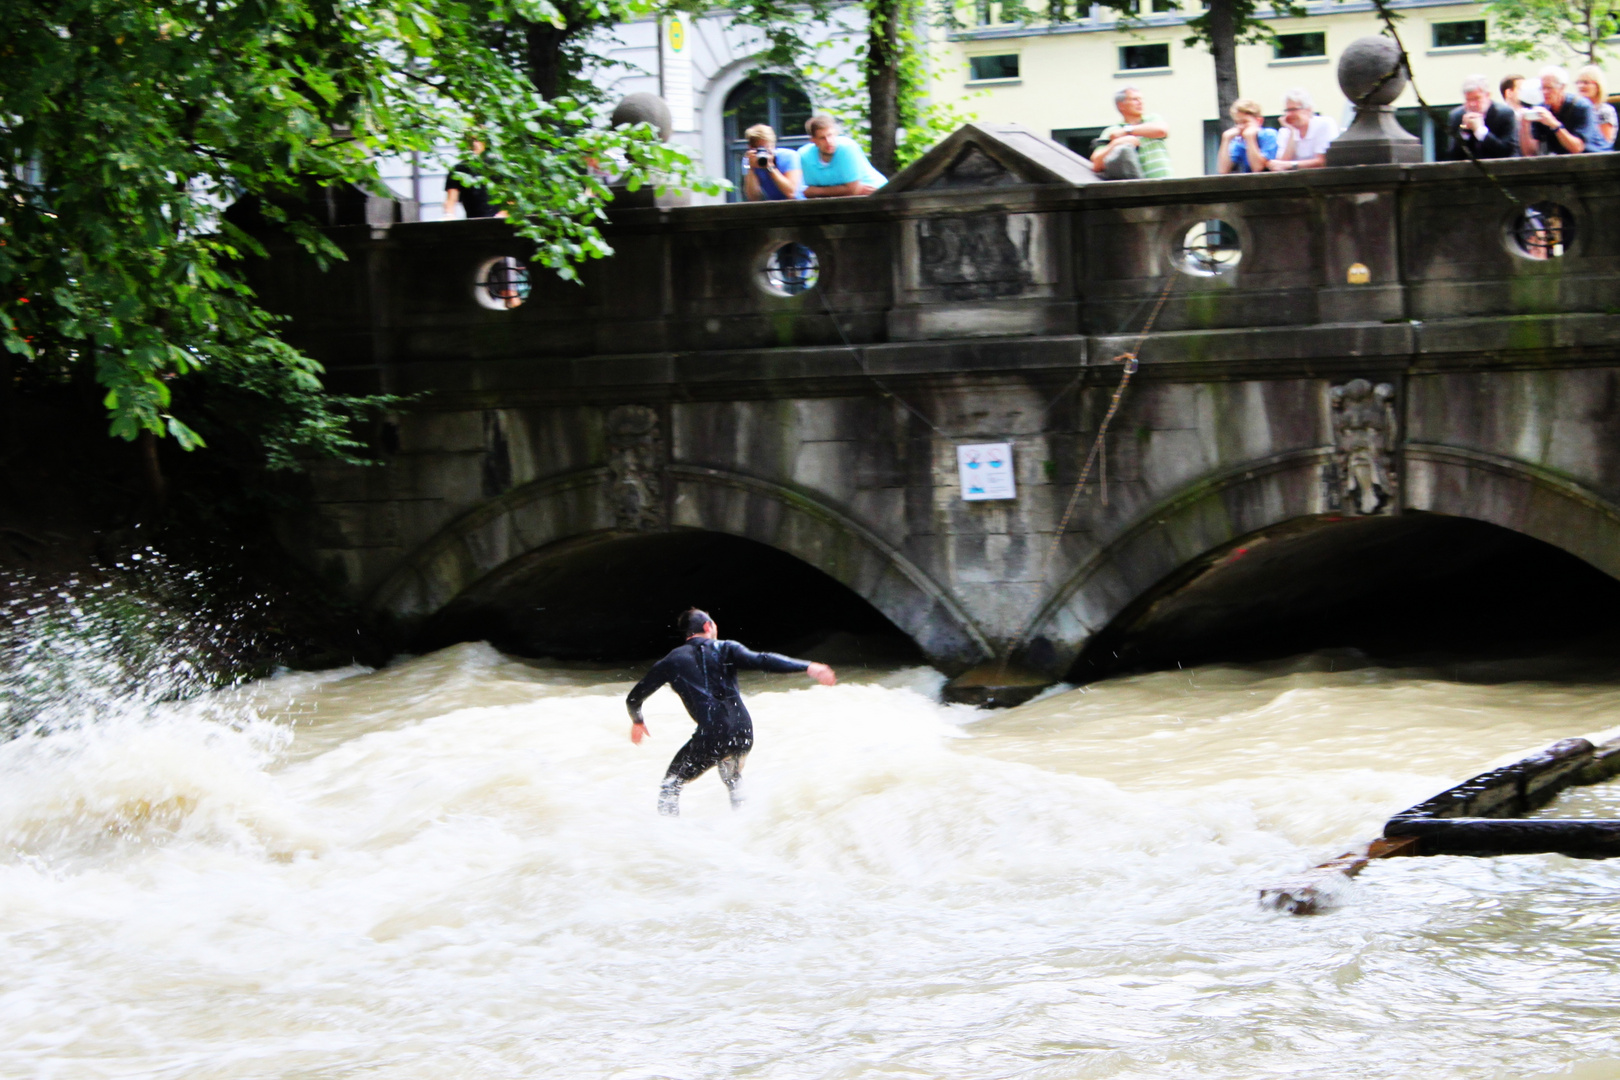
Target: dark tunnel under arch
point(615, 598)
point(1414, 588)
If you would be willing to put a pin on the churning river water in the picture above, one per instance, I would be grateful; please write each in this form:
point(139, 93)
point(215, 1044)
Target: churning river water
point(452, 868)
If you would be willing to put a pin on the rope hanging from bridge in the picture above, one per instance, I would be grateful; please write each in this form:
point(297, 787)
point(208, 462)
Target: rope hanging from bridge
point(860, 361)
point(1098, 452)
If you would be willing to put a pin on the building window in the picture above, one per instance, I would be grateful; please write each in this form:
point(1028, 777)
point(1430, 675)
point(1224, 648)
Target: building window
point(1453, 35)
point(1077, 139)
point(1144, 57)
point(1299, 46)
point(1160, 7)
point(765, 99)
point(986, 68)
point(1431, 128)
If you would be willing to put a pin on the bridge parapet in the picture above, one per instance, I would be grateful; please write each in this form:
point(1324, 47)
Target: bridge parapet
point(935, 260)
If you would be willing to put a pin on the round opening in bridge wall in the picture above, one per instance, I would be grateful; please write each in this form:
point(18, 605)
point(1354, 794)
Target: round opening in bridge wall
point(501, 283)
point(1541, 231)
point(1210, 248)
point(789, 269)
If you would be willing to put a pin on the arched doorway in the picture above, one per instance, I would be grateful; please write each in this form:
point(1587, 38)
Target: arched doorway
point(764, 99)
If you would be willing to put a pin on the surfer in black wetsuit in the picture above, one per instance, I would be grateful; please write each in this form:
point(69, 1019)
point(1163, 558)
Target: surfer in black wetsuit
point(704, 673)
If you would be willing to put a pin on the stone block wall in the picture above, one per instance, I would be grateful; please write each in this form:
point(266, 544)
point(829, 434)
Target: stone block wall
point(982, 315)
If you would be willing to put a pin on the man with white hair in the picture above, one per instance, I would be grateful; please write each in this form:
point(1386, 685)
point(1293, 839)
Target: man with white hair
point(1480, 127)
point(1563, 123)
point(1133, 150)
point(1303, 138)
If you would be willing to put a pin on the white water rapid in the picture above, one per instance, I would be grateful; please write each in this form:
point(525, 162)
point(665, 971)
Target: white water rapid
point(452, 868)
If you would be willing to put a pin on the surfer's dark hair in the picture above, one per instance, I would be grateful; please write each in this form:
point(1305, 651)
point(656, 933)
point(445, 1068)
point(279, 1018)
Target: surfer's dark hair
point(692, 621)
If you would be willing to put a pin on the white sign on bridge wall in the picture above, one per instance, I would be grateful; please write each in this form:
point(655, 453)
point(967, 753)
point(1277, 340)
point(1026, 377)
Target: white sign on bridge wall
point(986, 470)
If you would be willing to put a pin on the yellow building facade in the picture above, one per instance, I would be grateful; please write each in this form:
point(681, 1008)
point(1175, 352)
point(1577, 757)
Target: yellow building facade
point(1061, 80)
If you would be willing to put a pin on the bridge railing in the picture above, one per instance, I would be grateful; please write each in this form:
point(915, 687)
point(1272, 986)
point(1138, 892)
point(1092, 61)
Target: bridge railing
point(1286, 257)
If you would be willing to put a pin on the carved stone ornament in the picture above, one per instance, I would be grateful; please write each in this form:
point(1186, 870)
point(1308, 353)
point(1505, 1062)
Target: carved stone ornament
point(636, 459)
point(978, 256)
point(1364, 431)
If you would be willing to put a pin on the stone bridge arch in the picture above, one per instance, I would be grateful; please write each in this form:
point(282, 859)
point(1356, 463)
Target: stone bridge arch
point(1195, 530)
point(587, 507)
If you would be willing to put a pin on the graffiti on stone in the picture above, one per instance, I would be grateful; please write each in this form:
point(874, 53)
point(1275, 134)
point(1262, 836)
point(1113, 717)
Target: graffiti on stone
point(978, 257)
point(1361, 479)
point(636, 460)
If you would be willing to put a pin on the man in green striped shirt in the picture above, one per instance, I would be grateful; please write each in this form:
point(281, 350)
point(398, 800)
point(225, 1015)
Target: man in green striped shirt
point(1141, 137)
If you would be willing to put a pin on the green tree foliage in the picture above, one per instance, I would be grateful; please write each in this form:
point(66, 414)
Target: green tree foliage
point(1558, 28)
point(549, 39)
point(126, 126)
point(888, 105)
point(921, 120)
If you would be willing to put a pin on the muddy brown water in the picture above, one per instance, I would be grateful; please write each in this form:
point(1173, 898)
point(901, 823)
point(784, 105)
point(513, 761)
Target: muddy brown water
point(452, 868)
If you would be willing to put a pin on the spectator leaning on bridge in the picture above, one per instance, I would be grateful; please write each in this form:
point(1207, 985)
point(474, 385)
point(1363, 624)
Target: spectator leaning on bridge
point(1512, 87)
point(1563, 123)
point(835, 166)
point(1133, 150)
point(1480, 127)
point(1248, 145)
point(464, 186)
point(770, 173)
point(1589, 85)
point(1513, 93)
point(1303, 139)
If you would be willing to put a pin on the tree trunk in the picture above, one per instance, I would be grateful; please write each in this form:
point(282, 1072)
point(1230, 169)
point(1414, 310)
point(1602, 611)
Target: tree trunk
point(544, 47)
point(156, 486)
point(883, 79)
point(1223, 47)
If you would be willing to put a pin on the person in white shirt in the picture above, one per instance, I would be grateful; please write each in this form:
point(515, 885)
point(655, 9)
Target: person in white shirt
point(1303, 138)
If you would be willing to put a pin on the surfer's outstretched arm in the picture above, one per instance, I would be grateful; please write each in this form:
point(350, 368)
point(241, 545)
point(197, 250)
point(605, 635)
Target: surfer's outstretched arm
point(744, 657)
point(649, 685)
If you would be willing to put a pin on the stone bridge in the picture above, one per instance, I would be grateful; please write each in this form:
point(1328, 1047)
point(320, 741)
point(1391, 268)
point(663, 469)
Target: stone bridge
point(1335, 358)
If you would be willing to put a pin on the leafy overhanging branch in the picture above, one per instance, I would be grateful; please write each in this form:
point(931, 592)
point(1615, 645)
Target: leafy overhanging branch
point(127, 126)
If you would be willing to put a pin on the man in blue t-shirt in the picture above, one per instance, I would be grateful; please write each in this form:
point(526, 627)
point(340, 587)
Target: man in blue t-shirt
point(835, 166)
point(1248, 145)
point(1563, 123)
point(770, 173)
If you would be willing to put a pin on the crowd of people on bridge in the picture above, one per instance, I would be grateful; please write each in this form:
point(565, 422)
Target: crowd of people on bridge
point(1572, 116)
point(832, 165)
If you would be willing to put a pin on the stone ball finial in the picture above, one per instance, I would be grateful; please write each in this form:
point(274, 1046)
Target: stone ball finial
point(644, 108)
point(1371, 72)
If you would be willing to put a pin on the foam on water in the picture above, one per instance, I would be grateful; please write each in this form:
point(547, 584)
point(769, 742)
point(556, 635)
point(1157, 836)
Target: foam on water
point(453, 868)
